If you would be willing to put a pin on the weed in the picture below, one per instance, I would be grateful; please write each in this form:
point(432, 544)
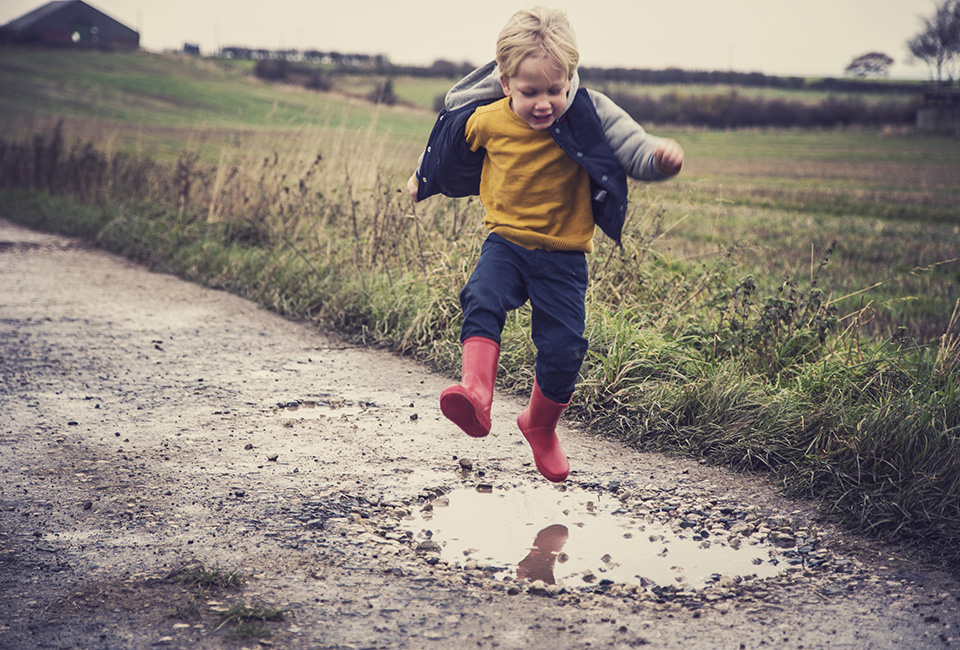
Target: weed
point(189, 611)
point(201, 578)
point(250, 630)
point(252, 612)
point(248, 622)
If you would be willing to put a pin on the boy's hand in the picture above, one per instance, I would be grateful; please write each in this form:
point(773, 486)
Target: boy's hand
point(668, 158)
point(412, 187)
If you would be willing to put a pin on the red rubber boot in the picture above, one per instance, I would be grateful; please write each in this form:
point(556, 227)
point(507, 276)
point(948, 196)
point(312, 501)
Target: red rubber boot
point(468, 403)
point(538, 424)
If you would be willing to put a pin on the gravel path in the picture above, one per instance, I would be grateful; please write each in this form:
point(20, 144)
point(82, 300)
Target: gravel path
point(181, 469)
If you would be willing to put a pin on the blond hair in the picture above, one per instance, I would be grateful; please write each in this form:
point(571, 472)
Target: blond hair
point(539, 32)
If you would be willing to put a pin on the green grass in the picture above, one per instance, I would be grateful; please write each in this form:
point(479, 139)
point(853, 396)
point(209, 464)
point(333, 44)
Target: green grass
point(784, 306)
point(154, 104)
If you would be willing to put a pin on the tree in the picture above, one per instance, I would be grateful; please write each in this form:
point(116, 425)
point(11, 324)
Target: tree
point(871, 64)
point(383, 93)
point(444, 68)
point(938, 45)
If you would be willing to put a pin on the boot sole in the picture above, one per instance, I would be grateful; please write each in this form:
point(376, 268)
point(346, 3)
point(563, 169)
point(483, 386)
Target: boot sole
point(461, 411)
point(553, 478)
point(550, 476)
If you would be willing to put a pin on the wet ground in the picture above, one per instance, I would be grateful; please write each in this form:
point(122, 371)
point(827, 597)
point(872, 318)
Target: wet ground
point(154, 433)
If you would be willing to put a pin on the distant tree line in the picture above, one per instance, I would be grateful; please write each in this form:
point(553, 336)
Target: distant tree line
point(726, 110)
point(676, 76)
point(316, 78)
point(733, 110)
point(336, 59)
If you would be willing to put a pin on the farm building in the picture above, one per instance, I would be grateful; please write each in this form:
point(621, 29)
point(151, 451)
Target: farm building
point(69, 23)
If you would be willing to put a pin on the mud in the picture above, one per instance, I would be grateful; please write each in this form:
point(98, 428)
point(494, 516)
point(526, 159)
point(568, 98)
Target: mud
point(150, 427)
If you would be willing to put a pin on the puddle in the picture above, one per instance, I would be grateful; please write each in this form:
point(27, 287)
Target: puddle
point(576, 537)
point(315, 410)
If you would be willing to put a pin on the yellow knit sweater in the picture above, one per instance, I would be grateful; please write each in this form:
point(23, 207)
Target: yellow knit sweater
point(535, 195)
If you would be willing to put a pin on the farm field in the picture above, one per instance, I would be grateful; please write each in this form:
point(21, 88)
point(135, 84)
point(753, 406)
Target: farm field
point(424, 91)
point(157, 105)
point(766, 311)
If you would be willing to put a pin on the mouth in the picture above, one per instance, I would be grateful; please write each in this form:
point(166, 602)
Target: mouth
point(541, 119)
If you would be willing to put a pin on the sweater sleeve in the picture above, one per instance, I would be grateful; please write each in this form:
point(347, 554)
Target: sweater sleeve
point(632, 146)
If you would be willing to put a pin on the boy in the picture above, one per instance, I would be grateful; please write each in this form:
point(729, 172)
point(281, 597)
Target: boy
point(549, 161)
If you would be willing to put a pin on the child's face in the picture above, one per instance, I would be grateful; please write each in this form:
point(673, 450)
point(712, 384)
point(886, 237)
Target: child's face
point(537, 91)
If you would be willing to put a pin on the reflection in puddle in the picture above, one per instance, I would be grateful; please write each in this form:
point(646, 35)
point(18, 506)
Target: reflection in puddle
point(578, 537)
point(539, 563)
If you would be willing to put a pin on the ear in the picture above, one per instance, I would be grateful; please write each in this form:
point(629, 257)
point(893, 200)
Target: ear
point(505, 85)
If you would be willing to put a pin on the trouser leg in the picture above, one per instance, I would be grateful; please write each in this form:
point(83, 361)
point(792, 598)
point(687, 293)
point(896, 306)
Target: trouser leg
point(555, 283)
point(496, 286)
point(557, 289)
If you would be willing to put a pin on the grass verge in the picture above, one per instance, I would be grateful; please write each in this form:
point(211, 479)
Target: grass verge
point(686, 356)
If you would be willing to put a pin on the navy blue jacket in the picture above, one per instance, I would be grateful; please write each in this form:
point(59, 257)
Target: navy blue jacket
point(448, 166)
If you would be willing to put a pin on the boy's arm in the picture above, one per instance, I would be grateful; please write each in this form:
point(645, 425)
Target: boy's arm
point(642, 156)
point(448, 165)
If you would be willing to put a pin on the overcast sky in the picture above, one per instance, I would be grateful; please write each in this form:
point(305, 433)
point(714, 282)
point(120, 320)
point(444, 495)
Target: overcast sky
point(779, 37)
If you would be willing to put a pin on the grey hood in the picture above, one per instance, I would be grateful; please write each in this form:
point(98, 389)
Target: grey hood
point(484, 84)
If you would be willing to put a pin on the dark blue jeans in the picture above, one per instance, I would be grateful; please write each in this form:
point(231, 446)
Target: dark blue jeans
point(555, 283)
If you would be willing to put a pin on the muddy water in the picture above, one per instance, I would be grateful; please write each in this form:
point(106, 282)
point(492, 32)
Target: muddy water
point(318, 410)
point(577, 537)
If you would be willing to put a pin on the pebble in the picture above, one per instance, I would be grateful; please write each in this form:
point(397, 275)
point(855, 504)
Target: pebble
point(783, 540)
point(428, 546)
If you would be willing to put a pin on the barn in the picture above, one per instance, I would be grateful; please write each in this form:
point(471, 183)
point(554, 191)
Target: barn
point(69, 23)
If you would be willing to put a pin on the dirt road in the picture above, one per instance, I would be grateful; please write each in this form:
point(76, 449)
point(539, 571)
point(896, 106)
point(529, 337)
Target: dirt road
point(181, 469)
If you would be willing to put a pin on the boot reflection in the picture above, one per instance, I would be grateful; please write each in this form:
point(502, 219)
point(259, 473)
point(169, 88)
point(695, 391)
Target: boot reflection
point(539, 563)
